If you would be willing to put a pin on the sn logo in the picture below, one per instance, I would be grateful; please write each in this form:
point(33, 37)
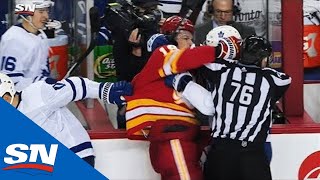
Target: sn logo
point(25, 8)
point(21, 156)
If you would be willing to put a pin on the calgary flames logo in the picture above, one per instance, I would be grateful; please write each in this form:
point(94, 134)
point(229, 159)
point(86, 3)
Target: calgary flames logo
point(310, 167)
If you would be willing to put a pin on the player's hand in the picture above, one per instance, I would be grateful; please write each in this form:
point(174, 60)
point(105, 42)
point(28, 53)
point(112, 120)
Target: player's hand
point(228, 48)
point(113, 92)
point(178, 81)
point(135, 37)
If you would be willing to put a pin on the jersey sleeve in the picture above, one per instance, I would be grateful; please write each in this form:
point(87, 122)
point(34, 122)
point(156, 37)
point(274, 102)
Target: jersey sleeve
point(199, 97)
point(58, 94)
point(176, 61)
point(281, 83)
point(23, 66)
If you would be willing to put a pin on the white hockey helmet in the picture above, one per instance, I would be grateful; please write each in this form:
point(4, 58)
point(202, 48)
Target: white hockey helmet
point(38, 3)
point(6, 86)
point(224, 31)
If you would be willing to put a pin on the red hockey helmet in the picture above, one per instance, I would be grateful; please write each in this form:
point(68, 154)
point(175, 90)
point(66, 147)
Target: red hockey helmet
point(171, 24)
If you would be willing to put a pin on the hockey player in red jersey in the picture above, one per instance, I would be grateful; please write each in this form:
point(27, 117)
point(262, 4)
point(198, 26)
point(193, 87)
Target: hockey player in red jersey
point(159, 114)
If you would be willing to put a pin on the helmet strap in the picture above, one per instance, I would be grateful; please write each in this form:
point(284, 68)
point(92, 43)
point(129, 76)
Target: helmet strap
point(29, 20)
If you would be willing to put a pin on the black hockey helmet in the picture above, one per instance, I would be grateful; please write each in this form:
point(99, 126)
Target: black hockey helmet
point(254, 49)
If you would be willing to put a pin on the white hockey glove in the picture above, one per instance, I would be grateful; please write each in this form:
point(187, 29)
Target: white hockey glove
point(112, 93)
point(228, 48)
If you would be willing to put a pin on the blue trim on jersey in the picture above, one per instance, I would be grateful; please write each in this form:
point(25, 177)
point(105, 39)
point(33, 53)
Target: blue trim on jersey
point(170, 2)
point(15, 75)
point(84, 89)
point(73, 89)
point(41, 78)
point(19, 99)
point(81, 147)
point(100, 90)
point(51, 81)
point(35, 79)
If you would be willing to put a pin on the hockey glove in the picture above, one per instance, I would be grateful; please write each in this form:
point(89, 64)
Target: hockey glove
point(179, 81)
point(228, 48)
point(112, 93)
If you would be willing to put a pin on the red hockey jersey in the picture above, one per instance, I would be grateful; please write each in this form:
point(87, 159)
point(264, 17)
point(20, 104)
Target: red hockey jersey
point(152, 99)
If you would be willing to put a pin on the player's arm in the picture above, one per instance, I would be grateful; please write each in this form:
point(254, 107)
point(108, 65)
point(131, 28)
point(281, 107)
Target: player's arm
point(198, 96)
point(60, 93)
point(176, 61)
point(281, 81)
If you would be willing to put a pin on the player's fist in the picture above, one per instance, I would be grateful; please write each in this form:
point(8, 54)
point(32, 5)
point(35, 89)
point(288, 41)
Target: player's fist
point(112, 93)
point(228, 48)
point(178, 81)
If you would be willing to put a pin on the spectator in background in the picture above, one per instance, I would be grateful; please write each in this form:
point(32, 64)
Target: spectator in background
point(129, 48)
point(222, 12)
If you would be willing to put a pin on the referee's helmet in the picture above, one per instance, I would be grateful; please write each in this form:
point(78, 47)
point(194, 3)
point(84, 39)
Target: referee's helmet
point(254, 49)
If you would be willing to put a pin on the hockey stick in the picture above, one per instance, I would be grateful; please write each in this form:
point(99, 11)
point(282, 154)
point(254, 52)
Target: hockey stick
point(95, 26)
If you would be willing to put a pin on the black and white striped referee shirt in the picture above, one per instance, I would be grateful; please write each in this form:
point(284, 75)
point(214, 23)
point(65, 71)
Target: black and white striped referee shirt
point(241, 100)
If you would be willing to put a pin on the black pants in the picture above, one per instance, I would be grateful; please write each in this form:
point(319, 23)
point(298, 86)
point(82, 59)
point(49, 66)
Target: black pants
point(90, 160)
point(236, 160)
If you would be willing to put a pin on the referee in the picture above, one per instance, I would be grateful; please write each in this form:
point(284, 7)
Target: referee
point(240, 104)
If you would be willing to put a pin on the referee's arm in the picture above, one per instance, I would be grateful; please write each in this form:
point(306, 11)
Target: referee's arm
point(282, 82)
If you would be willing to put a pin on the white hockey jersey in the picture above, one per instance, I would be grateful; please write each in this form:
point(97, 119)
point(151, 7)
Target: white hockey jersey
point(24, 56)
point(170, 6)
point(44, 103)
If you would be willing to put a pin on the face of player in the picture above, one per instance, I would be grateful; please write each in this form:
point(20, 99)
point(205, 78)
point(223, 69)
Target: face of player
point(222, 11)
point(264, 62)
point(40, 17)
point(8, 98)
point(184, 39)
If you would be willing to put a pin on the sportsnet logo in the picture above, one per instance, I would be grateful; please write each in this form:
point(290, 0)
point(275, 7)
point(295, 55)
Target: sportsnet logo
point(21, 156)
point(310, 167)
point(27, 9)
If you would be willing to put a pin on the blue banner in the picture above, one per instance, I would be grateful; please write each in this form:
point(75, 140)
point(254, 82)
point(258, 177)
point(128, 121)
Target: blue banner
point(29, 152)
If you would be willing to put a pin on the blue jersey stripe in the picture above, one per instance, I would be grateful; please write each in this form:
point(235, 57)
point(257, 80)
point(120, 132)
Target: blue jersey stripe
point(15, 75)
point(84, 89)
point(81, 147)
point(35, 79)
point(41, 78)
point(73, 89)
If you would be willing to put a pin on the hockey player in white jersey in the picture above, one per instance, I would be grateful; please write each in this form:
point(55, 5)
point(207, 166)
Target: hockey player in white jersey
point(44, 103)
point(24, 50)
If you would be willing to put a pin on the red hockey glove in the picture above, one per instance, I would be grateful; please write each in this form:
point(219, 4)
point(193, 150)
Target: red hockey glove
point(228, 48)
